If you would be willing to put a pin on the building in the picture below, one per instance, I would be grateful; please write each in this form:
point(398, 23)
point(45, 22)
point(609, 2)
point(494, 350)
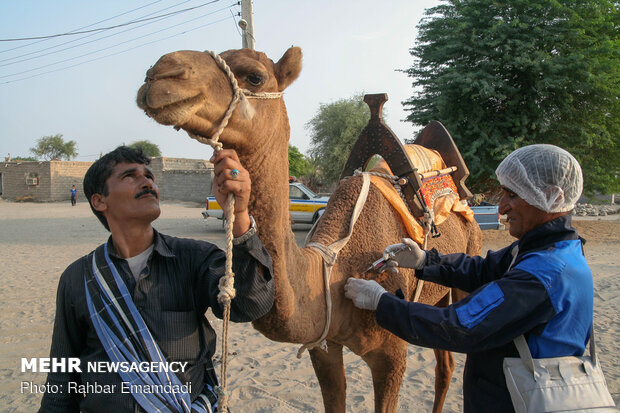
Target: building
point(48, 181)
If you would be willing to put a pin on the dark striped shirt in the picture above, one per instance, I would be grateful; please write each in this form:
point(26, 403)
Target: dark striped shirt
point(179, 283)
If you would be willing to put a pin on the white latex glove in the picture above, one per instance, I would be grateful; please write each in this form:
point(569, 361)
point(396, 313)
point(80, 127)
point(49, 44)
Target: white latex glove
point(407, 254)
point(365, 294)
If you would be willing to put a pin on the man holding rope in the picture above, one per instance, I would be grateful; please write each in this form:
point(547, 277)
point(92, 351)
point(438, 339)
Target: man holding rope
point(139, 299)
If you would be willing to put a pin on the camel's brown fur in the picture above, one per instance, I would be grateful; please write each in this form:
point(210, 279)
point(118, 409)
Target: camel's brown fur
point(195, 98)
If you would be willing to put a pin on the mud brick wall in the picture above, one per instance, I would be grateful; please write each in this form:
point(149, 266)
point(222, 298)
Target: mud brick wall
point(63, 176)
point(14, 180)
point(182, 179)
point(178, 179)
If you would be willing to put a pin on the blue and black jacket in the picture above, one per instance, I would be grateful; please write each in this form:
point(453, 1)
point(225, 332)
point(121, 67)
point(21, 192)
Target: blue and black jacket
point(547, 294)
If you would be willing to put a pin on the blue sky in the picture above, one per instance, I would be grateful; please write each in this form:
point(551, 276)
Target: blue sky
point(348, 46)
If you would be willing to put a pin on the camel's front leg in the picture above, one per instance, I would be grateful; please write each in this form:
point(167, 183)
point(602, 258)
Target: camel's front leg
point(329, 369)
point(387, 365)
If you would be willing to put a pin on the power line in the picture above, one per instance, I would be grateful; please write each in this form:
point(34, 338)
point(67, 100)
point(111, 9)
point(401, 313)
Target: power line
point(89, 35)
point(107, 28)
point(117, 53)
point(92, 24)
point(102, 38)
point(106, 48)
point(236, 24)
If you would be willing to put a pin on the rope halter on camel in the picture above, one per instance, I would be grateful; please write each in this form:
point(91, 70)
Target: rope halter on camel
point(240, 96)
point(226, 284)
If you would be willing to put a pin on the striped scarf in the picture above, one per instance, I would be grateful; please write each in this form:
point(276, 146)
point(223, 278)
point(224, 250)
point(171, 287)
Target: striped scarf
point(126, 338)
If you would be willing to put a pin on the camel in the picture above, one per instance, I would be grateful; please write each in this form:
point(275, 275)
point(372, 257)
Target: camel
point(188, 90)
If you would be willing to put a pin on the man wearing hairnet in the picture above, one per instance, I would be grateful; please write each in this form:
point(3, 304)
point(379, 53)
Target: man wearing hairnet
point(539, 286)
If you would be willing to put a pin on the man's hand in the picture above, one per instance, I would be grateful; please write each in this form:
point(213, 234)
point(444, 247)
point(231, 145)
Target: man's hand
point(407, 254)
point(365, 294)
point(231, 177)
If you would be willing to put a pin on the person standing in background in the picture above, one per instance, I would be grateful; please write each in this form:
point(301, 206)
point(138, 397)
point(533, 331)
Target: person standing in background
point(73, 195)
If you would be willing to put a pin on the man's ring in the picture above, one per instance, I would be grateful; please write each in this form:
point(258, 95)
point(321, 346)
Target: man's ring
point(234, 173)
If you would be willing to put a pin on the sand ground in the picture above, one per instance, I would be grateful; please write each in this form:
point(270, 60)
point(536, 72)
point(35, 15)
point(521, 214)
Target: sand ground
point(37, 242)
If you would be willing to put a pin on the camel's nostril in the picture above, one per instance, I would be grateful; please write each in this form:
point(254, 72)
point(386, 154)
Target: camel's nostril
point(179, 72)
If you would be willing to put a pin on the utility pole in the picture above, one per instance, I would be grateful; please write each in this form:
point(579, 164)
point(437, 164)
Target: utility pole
point(247, 24)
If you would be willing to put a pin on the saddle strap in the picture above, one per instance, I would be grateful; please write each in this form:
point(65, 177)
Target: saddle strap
point(329, 254)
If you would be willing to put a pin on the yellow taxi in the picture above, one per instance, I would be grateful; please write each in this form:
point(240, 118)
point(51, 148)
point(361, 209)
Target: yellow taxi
point(305, 206)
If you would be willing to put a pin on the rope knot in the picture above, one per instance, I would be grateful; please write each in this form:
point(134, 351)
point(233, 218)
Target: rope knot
point(227, 289)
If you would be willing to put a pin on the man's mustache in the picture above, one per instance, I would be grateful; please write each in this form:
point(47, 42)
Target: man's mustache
point(145, 192)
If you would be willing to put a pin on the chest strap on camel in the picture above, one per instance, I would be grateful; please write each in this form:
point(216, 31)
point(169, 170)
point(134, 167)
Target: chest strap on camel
point(329, 254)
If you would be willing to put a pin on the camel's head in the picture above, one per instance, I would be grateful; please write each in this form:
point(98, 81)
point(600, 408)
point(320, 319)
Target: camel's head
point(187, 89)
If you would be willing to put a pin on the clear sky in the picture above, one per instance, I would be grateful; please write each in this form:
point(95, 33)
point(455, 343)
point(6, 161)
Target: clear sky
point(88, 93)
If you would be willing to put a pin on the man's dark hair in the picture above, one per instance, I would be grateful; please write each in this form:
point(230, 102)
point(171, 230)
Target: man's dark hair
point(99, 172)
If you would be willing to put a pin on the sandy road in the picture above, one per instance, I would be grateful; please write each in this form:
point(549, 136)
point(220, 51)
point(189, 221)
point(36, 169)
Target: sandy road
point(37, 241)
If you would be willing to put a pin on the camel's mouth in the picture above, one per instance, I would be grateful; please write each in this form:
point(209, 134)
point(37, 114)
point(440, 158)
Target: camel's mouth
point(166, 108)
point(179, 109)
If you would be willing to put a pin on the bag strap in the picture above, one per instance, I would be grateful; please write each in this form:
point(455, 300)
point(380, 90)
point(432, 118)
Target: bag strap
point(526, 355)
point(521, 344)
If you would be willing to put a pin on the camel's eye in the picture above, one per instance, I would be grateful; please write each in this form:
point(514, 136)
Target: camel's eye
point(254, 79)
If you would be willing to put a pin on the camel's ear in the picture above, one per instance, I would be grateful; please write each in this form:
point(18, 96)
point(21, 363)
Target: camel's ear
point(288, 68)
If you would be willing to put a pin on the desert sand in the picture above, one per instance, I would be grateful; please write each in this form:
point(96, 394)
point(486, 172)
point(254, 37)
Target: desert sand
point(37, 242)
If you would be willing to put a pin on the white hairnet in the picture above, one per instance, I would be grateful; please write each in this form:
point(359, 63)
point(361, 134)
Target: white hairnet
point(544, 176)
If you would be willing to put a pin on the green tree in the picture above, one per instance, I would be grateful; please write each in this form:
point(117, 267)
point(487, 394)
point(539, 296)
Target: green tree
point(54, 147)
point(149, 148)
point(503, 74)
point(334, 129)
point(24, 158)
point(298, 164)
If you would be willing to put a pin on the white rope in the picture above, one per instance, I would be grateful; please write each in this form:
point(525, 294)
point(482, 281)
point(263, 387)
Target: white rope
point(240, 97)
point(426, 221)
point(330, 255)
point(226, 284)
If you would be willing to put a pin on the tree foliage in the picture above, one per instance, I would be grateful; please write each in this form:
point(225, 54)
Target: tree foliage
point(149, 148)
point(503, 74)
point(54, 147)
point(298, 164)
point(24, 158)
point(334, 129)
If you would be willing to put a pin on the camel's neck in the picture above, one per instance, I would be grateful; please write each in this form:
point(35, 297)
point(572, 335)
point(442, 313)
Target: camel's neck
point(268, 169)
point(267, 162)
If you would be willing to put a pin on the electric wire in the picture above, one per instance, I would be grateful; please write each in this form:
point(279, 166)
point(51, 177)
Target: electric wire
point(236, 23)
point(116, 45)
point(107, 28)
point(84, 27)
point(105, 37)
point(91, 34)
point(116, 53)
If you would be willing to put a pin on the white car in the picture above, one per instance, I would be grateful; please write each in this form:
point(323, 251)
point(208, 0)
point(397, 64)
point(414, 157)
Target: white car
point(305, 206)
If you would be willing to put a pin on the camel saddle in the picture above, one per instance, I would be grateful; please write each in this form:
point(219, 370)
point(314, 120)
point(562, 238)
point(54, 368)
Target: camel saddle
point(377, 139)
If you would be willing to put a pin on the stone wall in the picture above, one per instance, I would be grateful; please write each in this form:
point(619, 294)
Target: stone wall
point(183, 179)
point(43, 181)
point(63, 176)
point(178, 179)
point(25, 180)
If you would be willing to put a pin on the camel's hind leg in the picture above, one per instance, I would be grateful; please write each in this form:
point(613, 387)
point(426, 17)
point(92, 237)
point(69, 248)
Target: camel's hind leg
point(443, 374)
point(329, 370)
point(443, 369)
point(387, 365)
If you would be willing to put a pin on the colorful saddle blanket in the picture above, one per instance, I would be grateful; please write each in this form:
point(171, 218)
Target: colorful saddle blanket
point(439, 192)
